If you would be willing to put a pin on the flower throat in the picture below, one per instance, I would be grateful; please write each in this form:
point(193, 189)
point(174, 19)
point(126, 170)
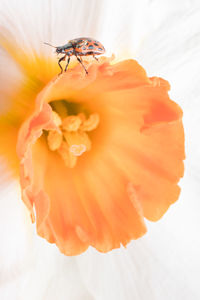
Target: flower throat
point(71, 139)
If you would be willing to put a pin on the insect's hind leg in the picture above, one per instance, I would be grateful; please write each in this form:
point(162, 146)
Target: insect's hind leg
point(67, 63)
point(95, 58)
point(80, 60)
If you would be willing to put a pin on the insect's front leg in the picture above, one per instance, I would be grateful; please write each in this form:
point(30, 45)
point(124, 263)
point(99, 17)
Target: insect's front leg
point(62, 58)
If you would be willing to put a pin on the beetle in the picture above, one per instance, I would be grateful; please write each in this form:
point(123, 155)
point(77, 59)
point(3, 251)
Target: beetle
point(79, 47)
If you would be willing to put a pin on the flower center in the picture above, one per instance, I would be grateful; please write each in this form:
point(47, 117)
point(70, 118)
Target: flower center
point(71, 139)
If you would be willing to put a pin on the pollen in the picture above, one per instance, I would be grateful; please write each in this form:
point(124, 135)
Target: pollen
point(71, 123)
point(78, 138)
point(54, 140)
point(91, 123)
point(72, 140)
point(57, 119)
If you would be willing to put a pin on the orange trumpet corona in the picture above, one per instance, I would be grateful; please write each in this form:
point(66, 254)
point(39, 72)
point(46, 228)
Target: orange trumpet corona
point(98, 154)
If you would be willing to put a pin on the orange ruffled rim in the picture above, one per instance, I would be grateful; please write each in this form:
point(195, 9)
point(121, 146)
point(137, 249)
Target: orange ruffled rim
point(131, 172)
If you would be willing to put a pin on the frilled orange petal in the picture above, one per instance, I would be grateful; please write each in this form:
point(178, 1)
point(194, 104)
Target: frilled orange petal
point(151, 151)
point(131, 171)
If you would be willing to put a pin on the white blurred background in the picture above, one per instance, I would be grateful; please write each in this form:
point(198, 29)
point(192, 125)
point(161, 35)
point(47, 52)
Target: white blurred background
point(164, 37)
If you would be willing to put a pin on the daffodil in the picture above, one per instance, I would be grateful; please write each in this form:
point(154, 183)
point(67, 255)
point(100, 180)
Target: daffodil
point(96, 154)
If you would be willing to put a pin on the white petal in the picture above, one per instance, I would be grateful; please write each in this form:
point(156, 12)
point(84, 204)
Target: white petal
point(164, 37)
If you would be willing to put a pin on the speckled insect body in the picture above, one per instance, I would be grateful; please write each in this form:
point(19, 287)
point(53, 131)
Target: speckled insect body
point(79, 47)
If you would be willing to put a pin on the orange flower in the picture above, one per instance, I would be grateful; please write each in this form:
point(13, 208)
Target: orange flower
point(98, 154)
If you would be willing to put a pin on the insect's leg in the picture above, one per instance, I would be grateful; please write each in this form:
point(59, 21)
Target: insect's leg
point(62, 58)
point(67, 63)
point(95, 58)
point(80, 60)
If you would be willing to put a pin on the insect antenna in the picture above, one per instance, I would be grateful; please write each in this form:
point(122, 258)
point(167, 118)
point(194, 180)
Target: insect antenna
point(50, 45)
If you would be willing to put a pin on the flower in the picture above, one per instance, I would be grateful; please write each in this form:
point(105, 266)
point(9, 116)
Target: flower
point(159, 264)
point(98, 153)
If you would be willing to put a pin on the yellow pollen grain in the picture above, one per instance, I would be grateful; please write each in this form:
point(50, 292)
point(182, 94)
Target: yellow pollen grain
point(68, 158)
point(54, 140)
point(91, 123)
point(71, 123)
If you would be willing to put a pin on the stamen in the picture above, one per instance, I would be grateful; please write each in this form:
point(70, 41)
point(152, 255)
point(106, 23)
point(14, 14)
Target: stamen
point(54, 140)
point(69, 159)
point(71, 123)
point(57, 119)
point(91, 123)
point(82, 117)
point(71, 139)
point(77, 139)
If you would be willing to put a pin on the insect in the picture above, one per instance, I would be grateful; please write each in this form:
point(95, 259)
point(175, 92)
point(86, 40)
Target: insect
point(79, 47)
